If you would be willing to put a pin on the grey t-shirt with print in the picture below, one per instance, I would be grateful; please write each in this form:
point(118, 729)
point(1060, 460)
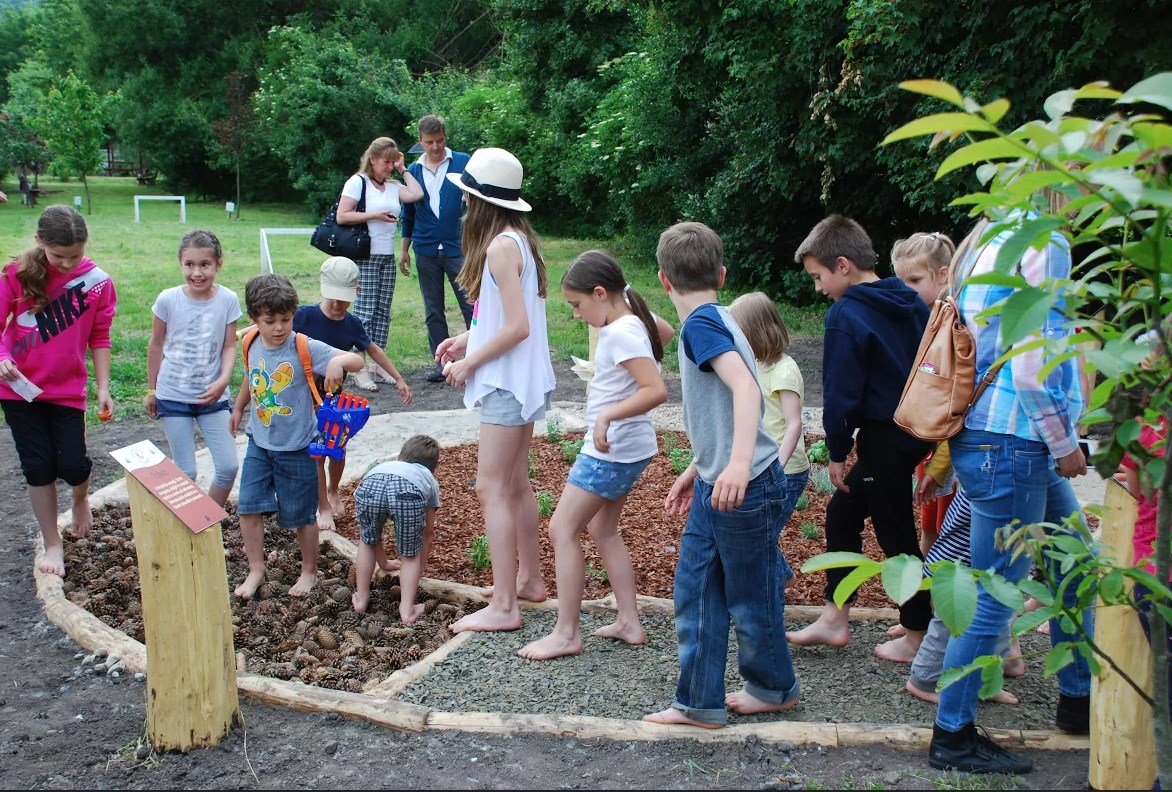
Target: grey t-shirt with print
point(420, 477)
point(281, 414)
point(194, 345)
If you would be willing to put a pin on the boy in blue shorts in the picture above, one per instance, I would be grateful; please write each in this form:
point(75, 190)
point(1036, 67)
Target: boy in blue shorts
point(278, 474)
point(733, 493)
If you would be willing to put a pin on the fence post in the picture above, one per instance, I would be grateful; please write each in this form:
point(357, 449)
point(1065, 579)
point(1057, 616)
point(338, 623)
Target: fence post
point(191, 666)
point(1123, 751)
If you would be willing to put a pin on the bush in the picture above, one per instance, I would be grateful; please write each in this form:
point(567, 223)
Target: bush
point(570, 449)
point(818, 453)
point(479, 553)
point(545, 503)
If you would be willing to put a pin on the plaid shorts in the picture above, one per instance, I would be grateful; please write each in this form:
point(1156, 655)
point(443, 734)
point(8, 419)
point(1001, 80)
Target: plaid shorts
point(381, 497)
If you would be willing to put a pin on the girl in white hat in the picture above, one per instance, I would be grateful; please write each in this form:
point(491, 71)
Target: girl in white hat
point(503, 364)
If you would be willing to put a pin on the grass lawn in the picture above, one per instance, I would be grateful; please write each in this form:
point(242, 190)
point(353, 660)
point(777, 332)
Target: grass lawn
point(141, 257)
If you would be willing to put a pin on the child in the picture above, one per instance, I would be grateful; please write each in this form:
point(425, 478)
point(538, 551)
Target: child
point(734, 494)
point(190, 359)
point(54, 304)
point(330, 322)
point(872, 333)
point(620, 441)
point(506, 371)
point(781, 384)
point(405, 491)
point(922, 262)
point(278, 473)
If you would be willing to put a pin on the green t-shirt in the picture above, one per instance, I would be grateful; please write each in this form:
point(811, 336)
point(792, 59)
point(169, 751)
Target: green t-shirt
point(784, 375)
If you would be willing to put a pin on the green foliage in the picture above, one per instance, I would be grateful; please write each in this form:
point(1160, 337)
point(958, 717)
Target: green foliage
point(810, 531)
point(545, 503)
point(803, 502)
point(570, 449)
point(819, 453)
point(553, 430)
point(72, 122)
point(680, 458)
point(529, 463)
point(594, 573)
point(820, 480)
point(479, 553)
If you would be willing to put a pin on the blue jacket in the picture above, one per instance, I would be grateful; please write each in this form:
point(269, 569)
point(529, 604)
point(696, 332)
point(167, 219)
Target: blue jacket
point(872, 335)
point(420, 224)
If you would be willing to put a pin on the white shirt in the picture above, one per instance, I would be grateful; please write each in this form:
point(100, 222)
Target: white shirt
point(433, 180)
point(631, 439)
point(382, 234)
point(194, 344)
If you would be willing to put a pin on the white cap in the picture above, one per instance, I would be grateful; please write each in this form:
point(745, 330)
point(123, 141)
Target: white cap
point(339, 279)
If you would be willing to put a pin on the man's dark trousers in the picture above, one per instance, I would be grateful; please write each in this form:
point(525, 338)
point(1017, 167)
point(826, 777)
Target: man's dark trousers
point(431, 271)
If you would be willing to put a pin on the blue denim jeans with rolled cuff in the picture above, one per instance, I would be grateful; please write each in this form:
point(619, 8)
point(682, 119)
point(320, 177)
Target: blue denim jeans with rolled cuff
point(795, 485)
point(1007, 478)
point(731, 567)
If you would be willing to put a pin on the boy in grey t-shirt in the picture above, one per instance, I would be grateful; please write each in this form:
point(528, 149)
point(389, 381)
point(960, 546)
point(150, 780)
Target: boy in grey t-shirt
point(278, 474)
point(730, 566)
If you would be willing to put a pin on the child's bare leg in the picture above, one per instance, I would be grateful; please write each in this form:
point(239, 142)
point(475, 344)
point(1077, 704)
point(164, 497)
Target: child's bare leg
point(1002, 696)
point(409, 574)
point(253, 531)
point(44, 503)
point(530, 585)
point(363, 571)
point(1014, 663)
point(219, 494)
point(335, 468)
point(831, 629)
point(575, 508)
point(307, 540)
point(604, 529)
point(498, 451)
point(325, 511)
point(83, 518)
point(384, 563)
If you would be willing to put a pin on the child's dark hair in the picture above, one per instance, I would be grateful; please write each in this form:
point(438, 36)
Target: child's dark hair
point(422, 450)
point(271, 294)
point(596, 268)
point(203, 240)
point(59, 226)
point(838, 237)
point(760, 321)
point(691, 256)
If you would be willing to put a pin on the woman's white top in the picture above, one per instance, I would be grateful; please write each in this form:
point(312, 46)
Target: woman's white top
point(382, 235)
point(525, 370)
point(631, 439)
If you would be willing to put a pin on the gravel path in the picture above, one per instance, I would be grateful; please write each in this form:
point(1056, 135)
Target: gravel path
point(611, 679)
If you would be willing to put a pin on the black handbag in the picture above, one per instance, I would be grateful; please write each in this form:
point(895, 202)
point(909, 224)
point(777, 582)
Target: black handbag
point(351, 241)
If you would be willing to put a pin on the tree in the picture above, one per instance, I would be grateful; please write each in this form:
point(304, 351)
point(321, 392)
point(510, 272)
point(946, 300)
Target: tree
point(72, 123)
point(234, 131)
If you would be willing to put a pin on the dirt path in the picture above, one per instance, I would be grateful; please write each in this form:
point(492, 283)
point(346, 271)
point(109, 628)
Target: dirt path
point(61, 727)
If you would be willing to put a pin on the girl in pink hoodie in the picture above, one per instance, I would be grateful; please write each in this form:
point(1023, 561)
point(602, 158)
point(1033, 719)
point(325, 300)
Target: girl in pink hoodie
point(54, 304)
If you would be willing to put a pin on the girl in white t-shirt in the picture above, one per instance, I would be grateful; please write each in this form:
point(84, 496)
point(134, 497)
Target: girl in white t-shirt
point(620, 442)
point(376, 275)
point(190, 358)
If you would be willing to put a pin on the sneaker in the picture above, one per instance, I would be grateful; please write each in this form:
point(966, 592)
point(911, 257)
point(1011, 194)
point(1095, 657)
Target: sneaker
point(436, 374)
point(1074, 714)
point(970, 750)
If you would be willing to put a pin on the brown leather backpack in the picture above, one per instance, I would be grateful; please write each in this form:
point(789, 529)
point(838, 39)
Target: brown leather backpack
point(942, 385)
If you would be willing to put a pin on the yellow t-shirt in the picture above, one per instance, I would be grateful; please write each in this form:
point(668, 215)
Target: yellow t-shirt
point(784, 375)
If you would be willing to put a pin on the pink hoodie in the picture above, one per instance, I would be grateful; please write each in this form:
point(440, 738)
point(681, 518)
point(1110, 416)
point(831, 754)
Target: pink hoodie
point(49, 346)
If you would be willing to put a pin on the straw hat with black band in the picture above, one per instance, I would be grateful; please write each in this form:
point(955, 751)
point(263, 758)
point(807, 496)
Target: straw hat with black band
point(494, 175)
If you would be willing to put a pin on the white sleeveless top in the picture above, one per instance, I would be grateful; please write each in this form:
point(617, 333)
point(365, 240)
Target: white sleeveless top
point(525, 370)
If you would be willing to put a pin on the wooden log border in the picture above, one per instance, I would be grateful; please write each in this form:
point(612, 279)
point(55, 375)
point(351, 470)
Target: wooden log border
point(379, 706)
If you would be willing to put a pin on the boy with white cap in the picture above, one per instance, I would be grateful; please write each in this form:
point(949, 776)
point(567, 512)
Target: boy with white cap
point(331, 322)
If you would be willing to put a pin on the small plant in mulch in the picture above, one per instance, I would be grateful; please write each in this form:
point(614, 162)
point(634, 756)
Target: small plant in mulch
point(570, 449)
point(680, 456)
point(810, 530)
point(803, 502)
point(529, 463)
point(553, 430)
point(545, 503)
point(479, 553)
point(819, 453)
point(595, 573)
point(820, 480)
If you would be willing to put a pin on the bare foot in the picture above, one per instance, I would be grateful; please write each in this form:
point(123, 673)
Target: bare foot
point(1014, 666)
point(820, 634)
point(325, 520)
point(551, 646)
point(1044, 628)
point(627, 633)
point(359, 603)
point(897, 650)
point(53, 561)
point(337, 506)
point(247, 589)
point(530, 592)
point(83, 518)
point(389, 565)
point(744, 703)
point(673, 717)
point(304, 585)
point(922, 695)
point(489, 619)
point(1005, 697)
point(896, 631)
point(410, 613)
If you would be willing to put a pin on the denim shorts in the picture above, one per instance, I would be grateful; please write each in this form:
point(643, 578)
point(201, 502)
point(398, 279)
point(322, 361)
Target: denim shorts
point(284, 482)
point(500, 407)
point(606, 479)
point(176, 409)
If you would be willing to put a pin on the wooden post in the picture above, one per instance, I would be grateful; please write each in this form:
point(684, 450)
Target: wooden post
point(191, 664)
point(1123, 752)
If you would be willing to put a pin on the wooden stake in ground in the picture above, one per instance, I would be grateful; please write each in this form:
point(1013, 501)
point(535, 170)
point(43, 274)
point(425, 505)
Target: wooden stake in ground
point(191, 667)
point(1123, 752)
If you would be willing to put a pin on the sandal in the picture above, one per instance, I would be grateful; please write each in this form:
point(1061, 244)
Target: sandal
point(362, 379)
point(380, 375)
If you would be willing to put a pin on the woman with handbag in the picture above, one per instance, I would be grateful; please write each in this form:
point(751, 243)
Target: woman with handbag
point(372, 197)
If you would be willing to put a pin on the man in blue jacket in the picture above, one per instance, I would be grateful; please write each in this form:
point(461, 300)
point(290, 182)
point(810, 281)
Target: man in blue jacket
point(433, 227)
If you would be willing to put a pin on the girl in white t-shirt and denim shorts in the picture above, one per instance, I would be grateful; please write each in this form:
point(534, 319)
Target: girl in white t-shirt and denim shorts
point(620, 442)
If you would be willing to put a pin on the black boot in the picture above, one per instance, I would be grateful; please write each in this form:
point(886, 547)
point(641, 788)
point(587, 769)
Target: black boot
point(1074, 714)
point(971, 751)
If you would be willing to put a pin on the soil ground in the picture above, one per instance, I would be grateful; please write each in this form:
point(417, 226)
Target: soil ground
point(63, 728)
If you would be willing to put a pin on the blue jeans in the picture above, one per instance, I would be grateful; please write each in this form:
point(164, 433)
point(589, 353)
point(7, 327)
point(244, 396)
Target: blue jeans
point(1006, 478)
point(731, 566)
point(795, 485)
point(432, 270)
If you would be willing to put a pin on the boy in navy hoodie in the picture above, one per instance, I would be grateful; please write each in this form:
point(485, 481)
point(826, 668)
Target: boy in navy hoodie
point(873, 330)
